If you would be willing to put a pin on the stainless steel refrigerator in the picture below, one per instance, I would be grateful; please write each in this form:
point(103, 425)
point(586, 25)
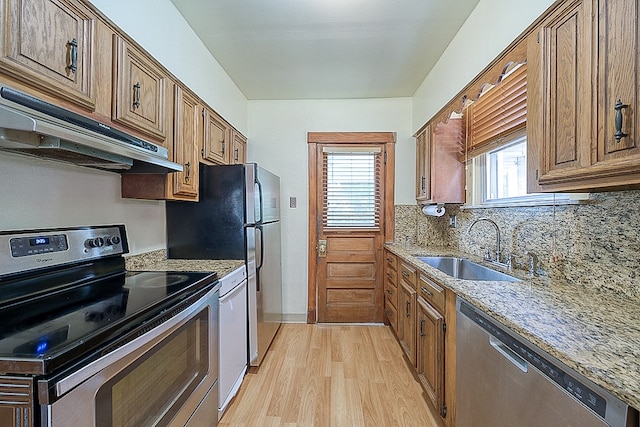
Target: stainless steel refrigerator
point(237, 217)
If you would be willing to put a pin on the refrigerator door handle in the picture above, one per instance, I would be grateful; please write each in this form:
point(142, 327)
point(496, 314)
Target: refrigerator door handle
point(260, 210)
point(260, 259)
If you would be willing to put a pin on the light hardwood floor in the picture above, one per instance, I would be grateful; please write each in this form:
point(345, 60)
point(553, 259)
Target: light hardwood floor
point(331, 375)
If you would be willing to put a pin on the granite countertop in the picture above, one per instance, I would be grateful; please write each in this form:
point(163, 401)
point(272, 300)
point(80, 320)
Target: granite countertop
point(596, 333)
point(157, 261)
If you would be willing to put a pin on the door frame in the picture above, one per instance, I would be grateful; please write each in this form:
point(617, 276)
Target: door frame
point(387, 140)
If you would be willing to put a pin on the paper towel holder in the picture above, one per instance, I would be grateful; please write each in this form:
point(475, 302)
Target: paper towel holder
point(433, 210)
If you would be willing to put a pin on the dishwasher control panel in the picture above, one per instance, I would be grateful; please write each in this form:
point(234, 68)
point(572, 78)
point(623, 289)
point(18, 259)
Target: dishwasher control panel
point(569, 383)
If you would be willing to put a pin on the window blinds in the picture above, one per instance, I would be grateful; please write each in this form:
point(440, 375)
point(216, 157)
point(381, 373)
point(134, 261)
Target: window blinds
point(351, 187)
point(499, 112)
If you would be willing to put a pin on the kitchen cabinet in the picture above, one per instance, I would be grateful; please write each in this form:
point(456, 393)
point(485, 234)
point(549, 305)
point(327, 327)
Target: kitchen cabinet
point(430, 342)
point(238, 148)
point(49, 44)
point(391, 289)
point(188, 133)
point(407, 311)
point(215, 149)
point(584, 97)
point(439, 171)
point(140, 90)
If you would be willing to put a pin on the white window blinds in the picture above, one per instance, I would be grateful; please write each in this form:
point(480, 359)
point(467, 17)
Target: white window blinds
point(351, 184)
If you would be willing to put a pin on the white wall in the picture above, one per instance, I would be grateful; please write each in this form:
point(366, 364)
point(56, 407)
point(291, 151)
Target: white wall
point(36, 193)
point(161, 30)
point(278, 141)
point(490, 28)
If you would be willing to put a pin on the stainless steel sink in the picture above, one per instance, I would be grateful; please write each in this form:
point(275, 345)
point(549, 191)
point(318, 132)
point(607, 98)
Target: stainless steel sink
point(461, 268)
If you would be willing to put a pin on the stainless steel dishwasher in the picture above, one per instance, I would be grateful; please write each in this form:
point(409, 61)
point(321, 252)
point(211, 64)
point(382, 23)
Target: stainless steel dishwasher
point(505, 381)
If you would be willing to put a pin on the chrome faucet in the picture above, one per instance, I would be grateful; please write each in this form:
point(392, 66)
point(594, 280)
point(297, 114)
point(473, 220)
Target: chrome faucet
point(487, 257)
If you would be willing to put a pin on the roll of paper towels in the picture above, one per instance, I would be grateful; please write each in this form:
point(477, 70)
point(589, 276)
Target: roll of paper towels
point(433, 210)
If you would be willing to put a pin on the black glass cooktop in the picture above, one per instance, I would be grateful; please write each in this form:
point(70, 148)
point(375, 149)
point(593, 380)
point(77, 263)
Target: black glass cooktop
point(59, 318)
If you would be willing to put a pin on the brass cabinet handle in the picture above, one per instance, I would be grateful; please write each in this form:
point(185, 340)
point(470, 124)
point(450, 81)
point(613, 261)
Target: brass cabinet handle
point(408, 305)
point(136, 95)
point(73, 47)
point(422, 334)
point(188, 176)
point(223, 146)
point(390, 276)
point(405, 274)
point(423, 181)
point(618, 107)
point(426, 291)
point(236, 155)
point(389, 291)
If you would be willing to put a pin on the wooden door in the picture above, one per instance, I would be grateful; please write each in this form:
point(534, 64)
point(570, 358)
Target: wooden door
point(618, 83)
point(188, 134)
point(430, 352)
point(216, 139)
point(140, 90)
point(49, 44)
point(346, 245)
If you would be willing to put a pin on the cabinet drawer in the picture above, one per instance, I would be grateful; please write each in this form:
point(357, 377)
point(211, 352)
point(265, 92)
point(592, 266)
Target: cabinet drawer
point(392, 315)
point(408, 274)
point(391, 261)
point(432, 292)
point(391, 294)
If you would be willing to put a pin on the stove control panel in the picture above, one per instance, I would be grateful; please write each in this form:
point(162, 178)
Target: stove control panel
point(23, 251)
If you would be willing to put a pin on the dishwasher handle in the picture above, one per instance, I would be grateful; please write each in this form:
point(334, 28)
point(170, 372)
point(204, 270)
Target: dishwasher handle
point(518, 361)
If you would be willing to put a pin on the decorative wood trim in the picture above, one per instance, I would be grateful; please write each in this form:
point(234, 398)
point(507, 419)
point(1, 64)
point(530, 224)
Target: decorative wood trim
point(312, 297)
point(351, 137)
point(516, 52)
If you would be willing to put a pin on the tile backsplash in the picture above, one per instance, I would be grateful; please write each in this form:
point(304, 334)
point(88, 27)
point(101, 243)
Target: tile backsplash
point(595, 244)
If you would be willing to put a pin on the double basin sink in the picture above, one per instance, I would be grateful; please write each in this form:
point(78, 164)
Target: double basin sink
point(461, 268)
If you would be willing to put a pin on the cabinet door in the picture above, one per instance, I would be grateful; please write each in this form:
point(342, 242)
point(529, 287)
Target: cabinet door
point(430, 352)
point(139, 91)
point(407, 320)
point(49, 45)
point(216, 139)
point(618, 82)
point(187, 136)
point(238, 148)
point(559, 95)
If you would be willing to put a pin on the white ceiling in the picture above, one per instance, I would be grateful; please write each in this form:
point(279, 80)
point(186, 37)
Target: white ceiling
point(325, 49)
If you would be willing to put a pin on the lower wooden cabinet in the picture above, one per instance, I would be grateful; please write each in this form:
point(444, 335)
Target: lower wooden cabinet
point(407, 315)
point(391, 289)
point(430, 353)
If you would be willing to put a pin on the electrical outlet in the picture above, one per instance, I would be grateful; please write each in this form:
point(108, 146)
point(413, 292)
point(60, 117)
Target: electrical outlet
point(293, 202)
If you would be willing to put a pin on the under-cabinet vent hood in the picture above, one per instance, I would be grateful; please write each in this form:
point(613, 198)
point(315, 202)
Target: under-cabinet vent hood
point(31, 126)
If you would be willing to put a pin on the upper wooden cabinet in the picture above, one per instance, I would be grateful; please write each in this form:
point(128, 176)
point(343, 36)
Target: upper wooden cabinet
point(49, 44)
point(139, 90)
point(439, 172)
point(579, 136)
point(216, 139)
point(187, 138)
point(238, 148)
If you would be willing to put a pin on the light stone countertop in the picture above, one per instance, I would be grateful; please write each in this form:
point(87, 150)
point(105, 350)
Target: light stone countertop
point(596, 333)
point(157, 261)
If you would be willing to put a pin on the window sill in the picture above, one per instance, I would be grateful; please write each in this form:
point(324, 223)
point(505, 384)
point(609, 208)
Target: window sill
point(529, 203)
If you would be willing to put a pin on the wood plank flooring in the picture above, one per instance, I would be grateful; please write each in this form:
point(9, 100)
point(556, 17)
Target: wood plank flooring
point(331, 375)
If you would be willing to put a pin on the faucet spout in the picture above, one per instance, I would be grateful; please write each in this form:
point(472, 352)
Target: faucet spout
point(490, 221)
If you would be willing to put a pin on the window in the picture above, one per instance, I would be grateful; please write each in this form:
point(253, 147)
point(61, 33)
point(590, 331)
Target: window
point(351, 196)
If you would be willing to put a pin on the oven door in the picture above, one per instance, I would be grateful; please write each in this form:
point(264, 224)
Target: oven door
point(166, 377)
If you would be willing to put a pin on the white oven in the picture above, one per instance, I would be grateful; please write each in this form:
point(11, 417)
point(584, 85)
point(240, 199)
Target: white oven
point(167, 376)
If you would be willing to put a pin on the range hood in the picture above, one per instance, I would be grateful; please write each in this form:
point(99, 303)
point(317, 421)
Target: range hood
point(31, 126)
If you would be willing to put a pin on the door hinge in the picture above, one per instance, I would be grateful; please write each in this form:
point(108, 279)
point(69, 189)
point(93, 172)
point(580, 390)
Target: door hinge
point(444, 327)
point(443, 410)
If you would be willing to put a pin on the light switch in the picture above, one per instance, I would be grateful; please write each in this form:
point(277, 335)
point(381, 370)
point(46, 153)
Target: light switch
point(293, 202)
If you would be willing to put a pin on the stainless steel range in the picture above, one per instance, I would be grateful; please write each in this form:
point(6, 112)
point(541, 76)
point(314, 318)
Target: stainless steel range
point(83, 342)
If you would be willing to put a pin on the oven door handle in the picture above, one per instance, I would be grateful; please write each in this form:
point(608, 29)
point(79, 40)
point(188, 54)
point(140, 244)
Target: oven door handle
point(133, 349)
